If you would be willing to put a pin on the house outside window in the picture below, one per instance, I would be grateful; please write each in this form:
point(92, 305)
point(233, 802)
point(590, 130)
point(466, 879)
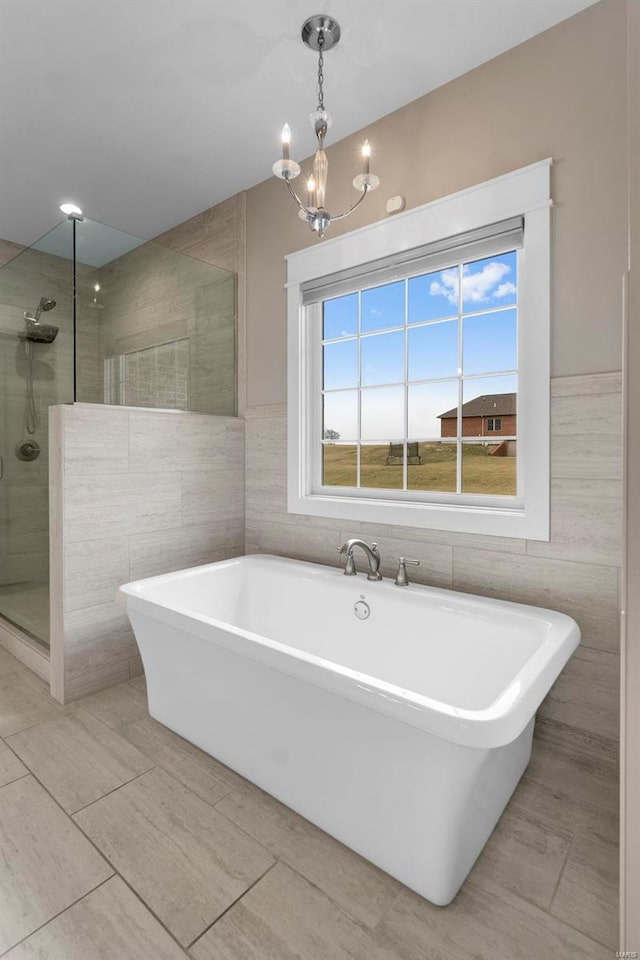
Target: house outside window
point(418, 371)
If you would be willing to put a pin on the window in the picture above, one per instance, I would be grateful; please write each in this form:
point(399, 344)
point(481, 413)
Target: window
point(410, 370)
point(408, 347)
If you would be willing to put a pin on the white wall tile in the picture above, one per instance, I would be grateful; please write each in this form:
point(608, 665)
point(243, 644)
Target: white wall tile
point(187, 546)
point(294, 540)
point(107, 505)
point(586, 592)
point(93, 574)
point(586, 436)
point(96, 440)
point(213, 494)
point(146, 492)
point(586, 522)
point(585, 695)
point(170, 441)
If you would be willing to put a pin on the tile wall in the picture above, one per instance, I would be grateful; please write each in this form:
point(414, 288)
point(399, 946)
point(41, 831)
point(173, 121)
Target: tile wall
point(134, 493)
point(25, 277)
point(158, 307)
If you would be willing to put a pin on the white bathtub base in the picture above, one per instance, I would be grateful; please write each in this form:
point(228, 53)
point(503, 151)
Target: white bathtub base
point(417, 806)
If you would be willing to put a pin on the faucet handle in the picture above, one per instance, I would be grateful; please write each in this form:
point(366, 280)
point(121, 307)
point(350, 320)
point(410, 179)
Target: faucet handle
point(350, 562)
point(402, 580)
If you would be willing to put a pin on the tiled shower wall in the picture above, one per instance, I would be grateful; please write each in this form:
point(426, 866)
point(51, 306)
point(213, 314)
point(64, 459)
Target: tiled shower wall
point(25, 276)
point(168, 320)
point(134, 493)
point(158, 376)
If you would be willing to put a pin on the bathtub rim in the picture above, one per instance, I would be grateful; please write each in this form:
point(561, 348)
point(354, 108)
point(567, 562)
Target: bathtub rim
point(494, 725)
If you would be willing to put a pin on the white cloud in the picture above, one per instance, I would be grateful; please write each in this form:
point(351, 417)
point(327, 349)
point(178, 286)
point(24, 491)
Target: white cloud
point(477, 287)
point(505, 289)
point(447, 286)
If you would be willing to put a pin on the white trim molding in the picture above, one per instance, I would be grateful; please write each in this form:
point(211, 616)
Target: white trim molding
point(524, 193)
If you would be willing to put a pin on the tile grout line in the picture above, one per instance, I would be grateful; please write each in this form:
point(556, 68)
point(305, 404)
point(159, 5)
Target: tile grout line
point(386, 910)
point(73, 813)
point(566, 923)
point(60, 912)
point(340, 906)
point(146, 906)
point(544, 910)
point(30, 726)
point(106, 859)
point(281, 858)
point(231, 905)
point(15, 779)
point(561, 874)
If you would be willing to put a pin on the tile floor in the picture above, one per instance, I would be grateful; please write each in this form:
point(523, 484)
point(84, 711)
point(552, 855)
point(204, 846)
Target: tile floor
point(121, 841)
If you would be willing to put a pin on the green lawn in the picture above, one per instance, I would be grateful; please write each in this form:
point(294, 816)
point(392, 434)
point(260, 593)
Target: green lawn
point(481, 472)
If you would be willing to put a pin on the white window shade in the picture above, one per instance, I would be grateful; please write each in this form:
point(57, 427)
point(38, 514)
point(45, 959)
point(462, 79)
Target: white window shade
point(472, 245)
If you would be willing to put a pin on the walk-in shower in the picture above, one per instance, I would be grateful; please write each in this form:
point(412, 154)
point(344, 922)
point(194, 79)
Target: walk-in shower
point(90, 314)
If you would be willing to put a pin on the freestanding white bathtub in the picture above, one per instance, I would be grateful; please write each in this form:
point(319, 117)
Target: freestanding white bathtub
point(402, 734)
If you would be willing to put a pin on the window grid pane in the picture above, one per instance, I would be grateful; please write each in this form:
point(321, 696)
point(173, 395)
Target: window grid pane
point(471, 287)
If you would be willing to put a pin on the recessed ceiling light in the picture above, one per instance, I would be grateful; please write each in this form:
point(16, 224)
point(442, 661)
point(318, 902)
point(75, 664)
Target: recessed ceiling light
point(71, 209)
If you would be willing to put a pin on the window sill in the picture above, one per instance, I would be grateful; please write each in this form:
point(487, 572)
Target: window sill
point(519, 523)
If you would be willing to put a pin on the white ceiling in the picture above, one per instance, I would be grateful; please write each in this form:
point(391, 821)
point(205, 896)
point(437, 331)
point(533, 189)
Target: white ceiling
point(146, 112)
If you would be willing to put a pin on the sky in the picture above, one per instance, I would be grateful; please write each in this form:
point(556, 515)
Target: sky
point(488, 346)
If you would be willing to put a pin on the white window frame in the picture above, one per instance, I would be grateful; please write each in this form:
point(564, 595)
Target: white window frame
point(524, 192)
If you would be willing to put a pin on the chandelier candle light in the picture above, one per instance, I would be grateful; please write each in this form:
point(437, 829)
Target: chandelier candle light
point(321, 33)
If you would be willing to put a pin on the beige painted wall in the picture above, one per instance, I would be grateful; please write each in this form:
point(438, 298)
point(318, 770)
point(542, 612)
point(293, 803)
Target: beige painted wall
point(561, 94)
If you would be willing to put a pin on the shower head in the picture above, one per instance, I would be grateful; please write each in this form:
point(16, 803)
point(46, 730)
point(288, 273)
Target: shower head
point(45, 305)
point(41, 332)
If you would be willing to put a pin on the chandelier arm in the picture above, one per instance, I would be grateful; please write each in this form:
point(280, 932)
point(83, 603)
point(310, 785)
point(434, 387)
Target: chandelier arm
point(341, 216)
point(297, 199)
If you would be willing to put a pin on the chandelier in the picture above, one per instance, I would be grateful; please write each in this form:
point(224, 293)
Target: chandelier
point(321, 33)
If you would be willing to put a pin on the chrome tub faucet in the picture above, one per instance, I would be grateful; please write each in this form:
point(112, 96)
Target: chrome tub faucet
point(372, 554)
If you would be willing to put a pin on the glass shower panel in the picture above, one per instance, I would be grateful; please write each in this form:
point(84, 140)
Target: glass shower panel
point(156, 328)
point(36, 370)
point(91, 314)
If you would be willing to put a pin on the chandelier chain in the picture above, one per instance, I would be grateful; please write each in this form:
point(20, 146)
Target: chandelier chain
point(320, 74)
